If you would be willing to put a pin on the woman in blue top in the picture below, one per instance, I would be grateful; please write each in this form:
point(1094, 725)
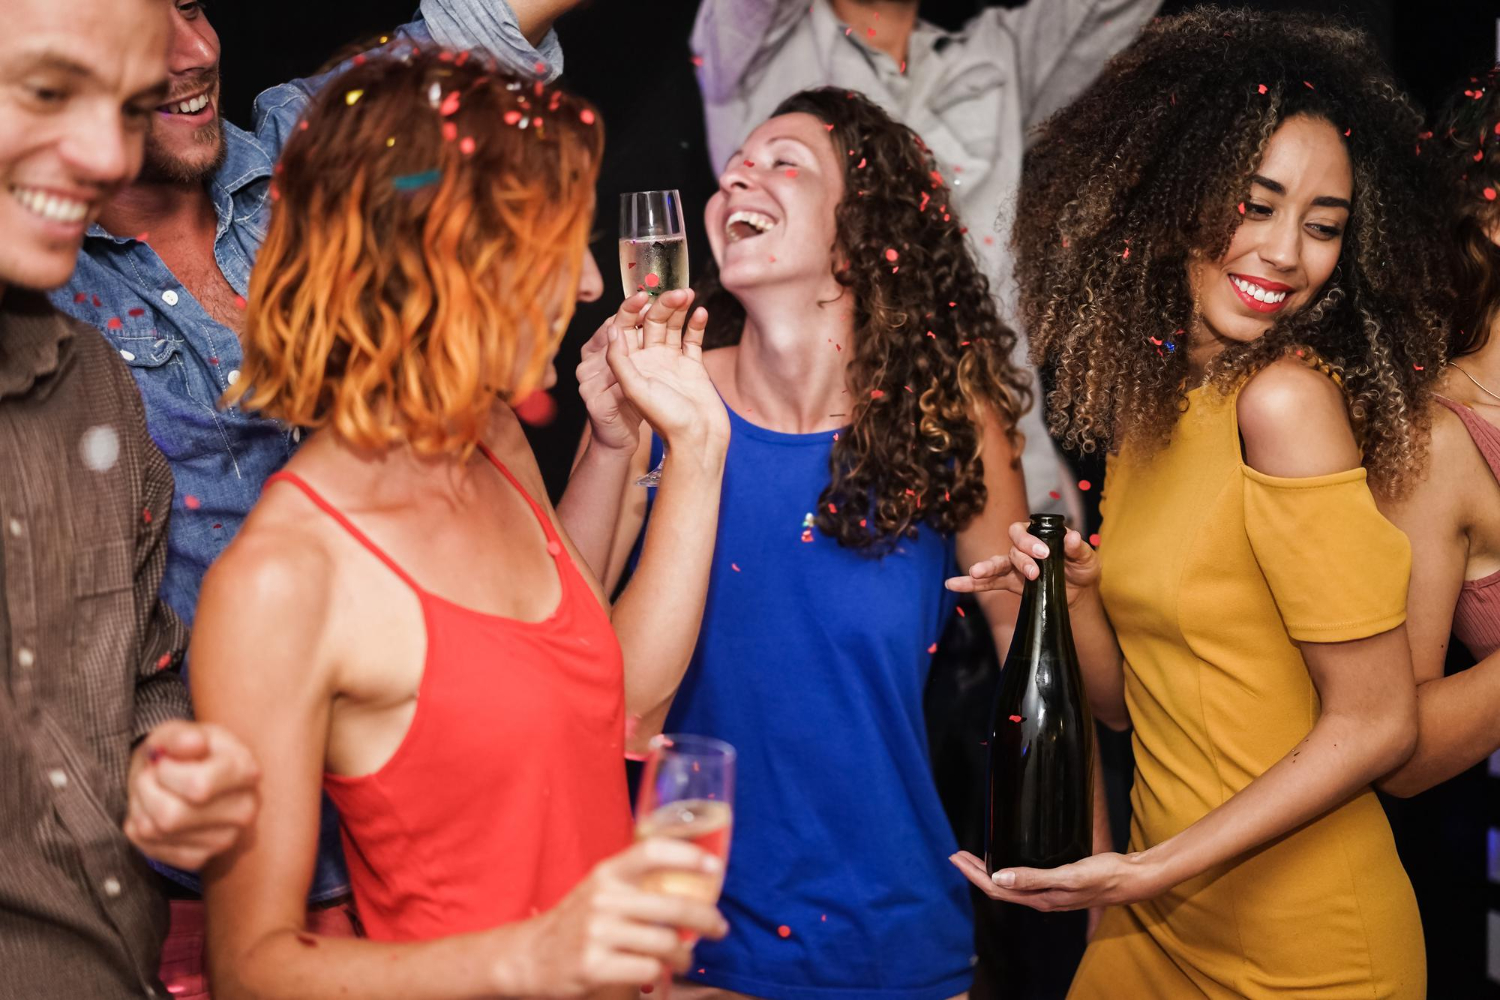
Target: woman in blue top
point(872, 402)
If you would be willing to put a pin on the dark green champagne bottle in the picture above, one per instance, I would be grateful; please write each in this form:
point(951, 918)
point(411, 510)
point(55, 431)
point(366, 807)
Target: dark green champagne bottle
point(1041, 811)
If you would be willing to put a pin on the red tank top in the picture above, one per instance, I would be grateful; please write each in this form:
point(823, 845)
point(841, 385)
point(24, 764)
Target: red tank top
point(510, 782)
point(1476, 619)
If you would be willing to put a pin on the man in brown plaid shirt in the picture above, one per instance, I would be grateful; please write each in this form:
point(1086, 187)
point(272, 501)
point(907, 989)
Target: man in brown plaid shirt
point(98, 762)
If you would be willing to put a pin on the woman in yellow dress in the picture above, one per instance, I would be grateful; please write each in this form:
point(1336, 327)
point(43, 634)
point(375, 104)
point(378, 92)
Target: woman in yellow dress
point(1225, 254)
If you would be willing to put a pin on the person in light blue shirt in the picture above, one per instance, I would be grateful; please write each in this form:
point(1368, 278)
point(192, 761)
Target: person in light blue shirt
point(164, 272)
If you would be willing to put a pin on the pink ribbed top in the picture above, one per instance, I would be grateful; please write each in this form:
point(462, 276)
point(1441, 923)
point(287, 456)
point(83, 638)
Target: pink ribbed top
point(1476, 620)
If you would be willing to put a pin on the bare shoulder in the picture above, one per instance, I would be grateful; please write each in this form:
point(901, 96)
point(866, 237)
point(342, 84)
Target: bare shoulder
point(1294, 422)
point(270, 591)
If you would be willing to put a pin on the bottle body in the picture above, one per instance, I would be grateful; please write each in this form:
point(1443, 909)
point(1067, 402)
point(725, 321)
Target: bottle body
point(1041, 801)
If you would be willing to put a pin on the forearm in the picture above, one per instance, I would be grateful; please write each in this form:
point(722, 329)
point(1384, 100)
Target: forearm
point(590, 506)
point(1104, 839)
point(536, 17)
point(291, 965)
point(1458, 726)
point(658, 615)
point(1100, 660)
point(1339, 756)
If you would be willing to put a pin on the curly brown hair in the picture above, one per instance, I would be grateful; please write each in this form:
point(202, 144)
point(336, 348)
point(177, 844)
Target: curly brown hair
point(1148, 167)
point(430, 212)
point(930, 353)
point(1466, 151)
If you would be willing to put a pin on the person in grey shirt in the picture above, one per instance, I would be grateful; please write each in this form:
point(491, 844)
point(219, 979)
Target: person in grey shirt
point(973, 96)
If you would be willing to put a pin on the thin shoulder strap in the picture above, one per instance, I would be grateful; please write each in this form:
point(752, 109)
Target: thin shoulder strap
point(536, 508)
point(347, 525)
point(1486, 436)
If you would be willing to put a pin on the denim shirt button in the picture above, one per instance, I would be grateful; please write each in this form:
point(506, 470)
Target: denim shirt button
point(169, 297)
point(233, 376)
point(127, 355)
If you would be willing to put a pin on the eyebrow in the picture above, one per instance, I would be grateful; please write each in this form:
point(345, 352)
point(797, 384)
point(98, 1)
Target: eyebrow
point(46, 60)
point(1322, 201)
point(775, 138)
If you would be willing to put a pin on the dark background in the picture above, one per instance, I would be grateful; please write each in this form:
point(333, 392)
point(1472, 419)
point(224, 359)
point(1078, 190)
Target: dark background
point(636, 69)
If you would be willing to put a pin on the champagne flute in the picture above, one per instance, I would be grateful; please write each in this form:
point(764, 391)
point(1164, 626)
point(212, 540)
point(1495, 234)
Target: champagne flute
point(653, 256)
point(687, 793)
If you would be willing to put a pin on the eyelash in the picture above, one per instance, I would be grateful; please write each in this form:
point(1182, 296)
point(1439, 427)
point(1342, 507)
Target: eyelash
point(1264, 211)
point(192, 8)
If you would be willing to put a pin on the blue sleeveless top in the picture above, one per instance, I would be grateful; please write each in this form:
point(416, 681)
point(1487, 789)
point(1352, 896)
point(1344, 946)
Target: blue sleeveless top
point(812, 662)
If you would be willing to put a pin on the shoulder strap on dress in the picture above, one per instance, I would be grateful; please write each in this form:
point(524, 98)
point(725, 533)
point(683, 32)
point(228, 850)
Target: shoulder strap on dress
point(359, 536)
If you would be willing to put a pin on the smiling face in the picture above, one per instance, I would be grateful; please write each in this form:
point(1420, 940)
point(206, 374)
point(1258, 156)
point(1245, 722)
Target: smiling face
point(186, 142)
point(1288, 243)
point(78, 84)
point(772, 219)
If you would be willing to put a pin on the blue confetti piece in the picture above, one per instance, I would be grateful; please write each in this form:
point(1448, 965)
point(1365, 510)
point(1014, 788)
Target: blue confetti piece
point(415, 182)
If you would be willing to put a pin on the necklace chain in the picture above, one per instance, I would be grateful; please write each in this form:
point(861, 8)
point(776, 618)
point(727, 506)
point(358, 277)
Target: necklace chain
point(1482, 387)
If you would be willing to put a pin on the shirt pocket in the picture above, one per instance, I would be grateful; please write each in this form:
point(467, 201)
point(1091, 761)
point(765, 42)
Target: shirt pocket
point(104, 642)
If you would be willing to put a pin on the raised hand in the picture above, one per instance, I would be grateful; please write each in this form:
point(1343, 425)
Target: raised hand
point(192, 792)
point(1011, 570)
point(662, 373)
point(614, 422)
point(609, 931)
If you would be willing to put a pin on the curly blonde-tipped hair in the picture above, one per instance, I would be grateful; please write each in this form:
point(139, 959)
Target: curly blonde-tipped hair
point(424, 253)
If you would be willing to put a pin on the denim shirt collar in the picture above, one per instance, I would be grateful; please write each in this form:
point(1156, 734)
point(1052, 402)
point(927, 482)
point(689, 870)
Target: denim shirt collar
point(246, 160)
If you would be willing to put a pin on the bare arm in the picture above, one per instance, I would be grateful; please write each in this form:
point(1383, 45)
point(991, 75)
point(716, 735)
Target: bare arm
point(658, 615)
point(1458, 716)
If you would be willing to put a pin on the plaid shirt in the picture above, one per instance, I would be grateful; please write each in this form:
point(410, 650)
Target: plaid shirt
point(85, 657)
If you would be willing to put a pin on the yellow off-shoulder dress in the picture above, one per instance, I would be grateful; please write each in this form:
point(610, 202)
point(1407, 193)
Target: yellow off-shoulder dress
point(1212, 573)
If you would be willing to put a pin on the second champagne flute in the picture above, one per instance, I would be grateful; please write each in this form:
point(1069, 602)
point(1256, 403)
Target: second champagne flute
point(653, 255)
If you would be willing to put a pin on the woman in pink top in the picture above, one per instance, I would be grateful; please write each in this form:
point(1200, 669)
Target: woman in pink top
point(403, 620)
point(1453, 516)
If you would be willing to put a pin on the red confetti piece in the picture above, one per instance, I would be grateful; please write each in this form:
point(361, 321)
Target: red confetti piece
point(540, 67)
point(735, 567)
point(696, 60)
point(823, 918)
point(213, 361)
point(164, 661)
point(870, 32)
point(807, 536)
point(784, 931)
point(303, 126)
point(1242, 208)
point(146, 515)
point(749, 163)
point(832, 509)
point(861, 164)
point(240, 303)
point(466, 145)
point(1126, 254)
point(587, 116)
point(1084, 484)
point(1489, 194)
point(450, 104)
point(932, 648)
point(960, 612)
point(652, 280)
point(828, 128)
point(80, 298)
point(97, 303)
point(1015, 718)
point(1419, 368)
point(143, 238)
point(512, 117)
point(137, 311)
point(791, 173)
point(1054, 494)
point(538, 409)
point(1348, 132)
point(114, 323)
point(1094, 541)
point(1308, 85)
point(450, 131)
point(1261, 88)
point(876, 393)
point(191, 502)
point(891, 254)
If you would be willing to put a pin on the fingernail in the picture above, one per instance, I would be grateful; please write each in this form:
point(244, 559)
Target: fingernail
point(1040, 551)
point(1005, 879)
point(712, 864)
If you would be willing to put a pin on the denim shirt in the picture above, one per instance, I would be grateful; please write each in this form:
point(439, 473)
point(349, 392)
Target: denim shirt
point(183, 360)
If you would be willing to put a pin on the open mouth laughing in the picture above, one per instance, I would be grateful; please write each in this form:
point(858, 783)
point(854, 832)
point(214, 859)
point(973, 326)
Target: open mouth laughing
point(1259, 294)
point(744, 224)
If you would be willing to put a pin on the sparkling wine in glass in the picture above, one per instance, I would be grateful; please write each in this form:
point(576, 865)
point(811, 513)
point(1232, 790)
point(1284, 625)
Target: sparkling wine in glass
point(687, 793)
point(653, 255)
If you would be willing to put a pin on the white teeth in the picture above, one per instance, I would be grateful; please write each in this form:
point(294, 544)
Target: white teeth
point(189, 107)
point(755, 220)
point(51, 206)
point(1258, 293)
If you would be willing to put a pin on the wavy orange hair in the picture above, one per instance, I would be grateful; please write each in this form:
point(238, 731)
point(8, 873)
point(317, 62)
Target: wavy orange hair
point(424, 253)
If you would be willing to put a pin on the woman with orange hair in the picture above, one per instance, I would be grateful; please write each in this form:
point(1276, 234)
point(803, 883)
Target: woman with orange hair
point(402, 621)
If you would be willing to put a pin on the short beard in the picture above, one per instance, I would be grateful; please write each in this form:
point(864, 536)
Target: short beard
point(161, 167)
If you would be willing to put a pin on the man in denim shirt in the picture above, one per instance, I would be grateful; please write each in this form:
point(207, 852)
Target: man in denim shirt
point(163, 276)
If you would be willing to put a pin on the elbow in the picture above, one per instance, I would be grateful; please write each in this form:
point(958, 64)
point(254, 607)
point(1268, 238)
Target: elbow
point(1395, 742)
